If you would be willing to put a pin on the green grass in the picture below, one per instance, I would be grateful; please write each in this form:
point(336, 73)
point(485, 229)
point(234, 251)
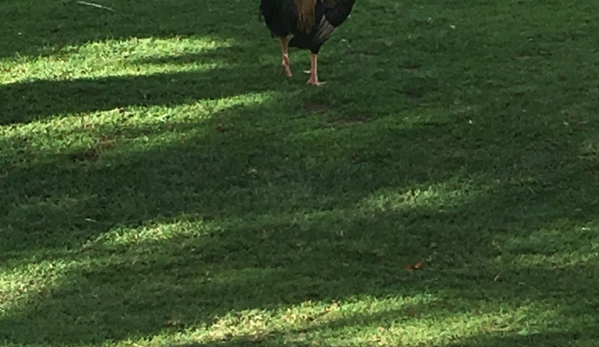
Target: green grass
point(163, 184)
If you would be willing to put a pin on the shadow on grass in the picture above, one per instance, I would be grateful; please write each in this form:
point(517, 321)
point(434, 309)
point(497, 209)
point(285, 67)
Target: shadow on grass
point(276, 217)
point(44, 27)
point(263, 206)
point(135, 292)
point(585, 336)
point(29, 101)
point(32, 28)
point(256, 161)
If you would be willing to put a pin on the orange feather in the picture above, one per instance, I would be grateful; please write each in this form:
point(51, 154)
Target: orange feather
point(306, 10)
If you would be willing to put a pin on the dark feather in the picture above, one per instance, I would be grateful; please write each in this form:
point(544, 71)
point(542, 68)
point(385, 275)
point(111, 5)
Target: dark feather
point(282, 17)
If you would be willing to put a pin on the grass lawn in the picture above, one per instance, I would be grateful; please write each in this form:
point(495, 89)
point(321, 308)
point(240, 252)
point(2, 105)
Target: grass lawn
point(163, 184)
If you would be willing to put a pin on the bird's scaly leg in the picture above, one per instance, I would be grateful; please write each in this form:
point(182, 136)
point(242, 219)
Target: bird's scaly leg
point(314, 71)
point(285, 53)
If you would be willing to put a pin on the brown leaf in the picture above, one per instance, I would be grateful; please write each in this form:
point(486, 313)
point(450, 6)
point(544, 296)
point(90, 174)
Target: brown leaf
point(416, 266)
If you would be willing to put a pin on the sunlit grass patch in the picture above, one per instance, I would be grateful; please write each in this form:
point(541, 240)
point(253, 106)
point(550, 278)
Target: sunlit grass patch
point(447, 195)
point(130, 129)
point(164, 184)
point(150, 234)
point(24, 285)
point(564, 245)
point(411, 321)
point(117, 58)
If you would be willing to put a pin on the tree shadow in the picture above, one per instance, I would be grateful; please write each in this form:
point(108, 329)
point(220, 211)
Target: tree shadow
point(29, 101)
point(583, 336)
point(45, 27)
point(282, 206)
point(134, 294)
point(209, 172)
point(338, 246)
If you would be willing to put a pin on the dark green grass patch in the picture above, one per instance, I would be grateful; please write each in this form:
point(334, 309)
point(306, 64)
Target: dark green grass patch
point(163, 183)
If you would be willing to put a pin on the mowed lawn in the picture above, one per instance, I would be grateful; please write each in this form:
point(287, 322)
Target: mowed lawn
point(163, 184)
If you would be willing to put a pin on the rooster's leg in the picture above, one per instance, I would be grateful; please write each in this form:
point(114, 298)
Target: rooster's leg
point(314, 71)
point(285, 53)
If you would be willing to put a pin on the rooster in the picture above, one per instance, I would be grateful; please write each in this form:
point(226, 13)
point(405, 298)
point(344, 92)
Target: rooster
point(311, 22)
